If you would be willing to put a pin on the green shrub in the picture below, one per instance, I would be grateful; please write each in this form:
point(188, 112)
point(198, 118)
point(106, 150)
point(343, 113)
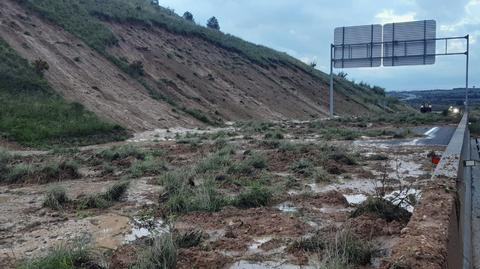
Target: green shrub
point(382, 209)
point(175, 181)
point(320, 175)
point(247, 166)
point(353, 249)
point(122, 152)
point(215, 162)
point(56, 198)
point(117, 191)
point(315, 243)
point(341, 156)
point(206, 198)
point(303, 167)
point(63, 257)
point(149, 166)
point(346, 250)
point(185, 198)
point(161, 254)
point(255, 196)
point(18, 172)
point(106, 199)
point(188, 239)
point(275, 134)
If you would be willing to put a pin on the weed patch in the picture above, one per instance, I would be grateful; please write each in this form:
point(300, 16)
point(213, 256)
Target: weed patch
point(255, 196)
point(383, 209)
point(56, 198)
point(63, 257)
point(161, 254)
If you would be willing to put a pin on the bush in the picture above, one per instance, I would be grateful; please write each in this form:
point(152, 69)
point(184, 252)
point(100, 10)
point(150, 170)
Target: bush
point(343, 157)
point(315, 243)
point(122, 152)
point(202, 198)
point(188, 239)
point(320, 175)
point(255, 196)
point(247, 166)
point(135, 69)
point(117, 191)
point(56, 198)
point(346, 250)
point(216, 162)
point(276, 134)
point(105, 200)
point(40, 66)
point(18, 172)
point(63, 257)
point(383, 209)
point(212, 23)
point(303, 167)
point(149, 166)
point(352, 249)
point(162, 254)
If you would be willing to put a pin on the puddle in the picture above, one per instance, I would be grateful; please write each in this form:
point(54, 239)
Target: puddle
point(358, 185)
point(171, 133)
point(145, 228)
point(355, 199)
point(287, 207)
point(266, 265)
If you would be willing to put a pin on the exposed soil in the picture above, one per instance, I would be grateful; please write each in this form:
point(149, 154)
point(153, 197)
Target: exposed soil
point(190, 71)
point(300, 206)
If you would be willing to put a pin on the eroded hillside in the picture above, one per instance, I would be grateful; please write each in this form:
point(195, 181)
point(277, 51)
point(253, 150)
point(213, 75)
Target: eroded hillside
point(181, 79)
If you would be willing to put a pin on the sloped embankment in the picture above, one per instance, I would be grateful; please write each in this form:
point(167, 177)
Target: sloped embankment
point(181, 78)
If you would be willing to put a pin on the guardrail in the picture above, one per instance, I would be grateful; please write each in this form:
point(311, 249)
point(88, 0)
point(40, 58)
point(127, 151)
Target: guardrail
point(438, 234)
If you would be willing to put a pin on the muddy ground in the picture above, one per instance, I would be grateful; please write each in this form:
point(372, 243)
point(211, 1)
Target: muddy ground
point(315, 188)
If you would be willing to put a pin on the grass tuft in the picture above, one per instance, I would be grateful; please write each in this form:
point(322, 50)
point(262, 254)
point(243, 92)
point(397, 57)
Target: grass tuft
point(383, 209)
point(255, 196)
point(161, 254)
point(56, 198)
point(63, 257)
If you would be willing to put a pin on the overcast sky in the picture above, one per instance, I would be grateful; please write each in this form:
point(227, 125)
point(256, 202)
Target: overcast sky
point(304, 29)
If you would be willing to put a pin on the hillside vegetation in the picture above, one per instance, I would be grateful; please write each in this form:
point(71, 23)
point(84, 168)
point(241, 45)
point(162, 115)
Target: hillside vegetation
point(83, 19)
point(32, 114)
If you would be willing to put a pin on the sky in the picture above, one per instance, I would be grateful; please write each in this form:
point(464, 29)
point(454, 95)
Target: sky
point(304, 29)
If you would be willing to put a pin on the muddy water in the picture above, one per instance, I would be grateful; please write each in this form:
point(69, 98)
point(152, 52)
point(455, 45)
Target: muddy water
point(171, 133)
point(266, 265)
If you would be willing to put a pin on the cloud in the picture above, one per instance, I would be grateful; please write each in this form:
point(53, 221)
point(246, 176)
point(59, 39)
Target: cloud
point(389, 16)
point(472, 9)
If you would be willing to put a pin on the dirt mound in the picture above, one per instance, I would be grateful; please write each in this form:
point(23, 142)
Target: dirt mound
point(369, 224)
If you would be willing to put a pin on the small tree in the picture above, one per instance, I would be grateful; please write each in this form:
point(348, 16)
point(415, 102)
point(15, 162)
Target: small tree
point(212, 23)
point(136, 69)
point(40, 66)
point(155, 2)
point(343, 75)
point(188, 16)
point(313, 64)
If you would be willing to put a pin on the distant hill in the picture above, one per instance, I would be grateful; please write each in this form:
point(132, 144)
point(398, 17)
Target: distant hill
point(439, 99)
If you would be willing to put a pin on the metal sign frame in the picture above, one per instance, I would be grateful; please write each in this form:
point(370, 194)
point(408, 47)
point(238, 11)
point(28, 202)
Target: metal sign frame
point(354, 54)
point(393, 57)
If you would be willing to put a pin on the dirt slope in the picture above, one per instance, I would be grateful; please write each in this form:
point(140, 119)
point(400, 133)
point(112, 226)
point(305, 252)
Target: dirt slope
point(191, 72)
point(93, 81)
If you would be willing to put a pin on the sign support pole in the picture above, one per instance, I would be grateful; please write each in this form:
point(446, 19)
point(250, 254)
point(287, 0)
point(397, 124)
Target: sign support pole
point(466, 74)
point(331, 81)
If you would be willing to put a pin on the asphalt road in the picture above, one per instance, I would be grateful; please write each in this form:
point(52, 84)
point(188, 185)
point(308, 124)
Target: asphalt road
point(439, 135)
point(435, 136)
